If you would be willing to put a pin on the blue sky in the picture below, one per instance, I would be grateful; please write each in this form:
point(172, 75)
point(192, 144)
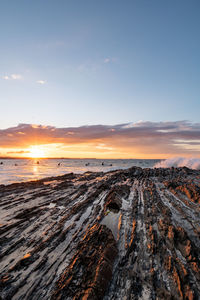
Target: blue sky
point(73, 63)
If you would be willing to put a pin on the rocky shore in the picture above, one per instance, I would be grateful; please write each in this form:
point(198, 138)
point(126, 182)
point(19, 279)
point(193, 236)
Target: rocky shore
point(125, 234)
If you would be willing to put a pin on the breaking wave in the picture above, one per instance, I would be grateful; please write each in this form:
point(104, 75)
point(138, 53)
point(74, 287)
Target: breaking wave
point(192, 163)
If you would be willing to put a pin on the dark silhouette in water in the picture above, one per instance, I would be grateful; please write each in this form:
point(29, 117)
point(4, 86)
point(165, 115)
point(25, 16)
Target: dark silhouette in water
point(103, 164)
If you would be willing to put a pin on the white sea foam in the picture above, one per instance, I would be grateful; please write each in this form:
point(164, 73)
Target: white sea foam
point(192, 163)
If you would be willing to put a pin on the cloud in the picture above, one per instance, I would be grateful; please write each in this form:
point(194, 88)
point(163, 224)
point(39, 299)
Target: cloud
point(13, 77)
point(94, 66)
point(107, 60)
point(41, 81)
point(17, 152)
point(6, 77)
point(16, 76)
point(140, 139)
point(20, 77)
point(103, 147)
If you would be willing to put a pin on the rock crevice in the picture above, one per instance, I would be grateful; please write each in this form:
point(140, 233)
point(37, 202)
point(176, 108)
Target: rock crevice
point(53, 244)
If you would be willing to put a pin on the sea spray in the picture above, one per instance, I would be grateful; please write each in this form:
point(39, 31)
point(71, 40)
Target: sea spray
point(192, 163)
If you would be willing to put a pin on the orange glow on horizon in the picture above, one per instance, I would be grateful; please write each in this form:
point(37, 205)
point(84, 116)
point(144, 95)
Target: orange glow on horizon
point(98, 150)
point(132, 141)
point(36, 152)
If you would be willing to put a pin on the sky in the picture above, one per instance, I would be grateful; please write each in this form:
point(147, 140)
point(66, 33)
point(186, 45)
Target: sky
point(69, 65)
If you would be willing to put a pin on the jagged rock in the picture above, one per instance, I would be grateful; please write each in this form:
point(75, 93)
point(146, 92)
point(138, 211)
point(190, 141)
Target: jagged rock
point(53, 244)
point(113, 200)
point(90, 270)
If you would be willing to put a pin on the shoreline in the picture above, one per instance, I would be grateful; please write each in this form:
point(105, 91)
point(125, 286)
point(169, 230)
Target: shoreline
point(65, 175)
point(123, 233)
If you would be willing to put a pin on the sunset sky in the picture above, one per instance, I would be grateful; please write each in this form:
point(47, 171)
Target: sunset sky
point(104, 79)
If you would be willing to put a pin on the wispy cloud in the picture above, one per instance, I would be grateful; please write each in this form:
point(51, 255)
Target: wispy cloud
point(41, 81)
point(142, 138)
point(106, 60)
point(109, 60)
point(91, 66)
point(13, 77)
point(20, 77)
point(16, 76)
point(6, 77)
point(17, 152)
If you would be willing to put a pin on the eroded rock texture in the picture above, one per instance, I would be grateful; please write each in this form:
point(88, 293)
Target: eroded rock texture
point(127, 234)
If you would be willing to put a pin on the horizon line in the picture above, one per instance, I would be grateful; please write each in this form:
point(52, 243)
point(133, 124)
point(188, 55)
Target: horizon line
point(35, 158)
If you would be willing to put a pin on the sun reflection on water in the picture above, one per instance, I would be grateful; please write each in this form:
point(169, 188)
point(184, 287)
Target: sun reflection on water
point(35, 169)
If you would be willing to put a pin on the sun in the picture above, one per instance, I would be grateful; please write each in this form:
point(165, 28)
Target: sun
point(36, 152)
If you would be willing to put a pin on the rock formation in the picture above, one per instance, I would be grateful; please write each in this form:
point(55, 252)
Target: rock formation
point(125, 234)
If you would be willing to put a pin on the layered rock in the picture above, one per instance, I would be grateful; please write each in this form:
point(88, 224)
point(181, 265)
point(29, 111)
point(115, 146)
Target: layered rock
point(126, 234)
point(90, 270)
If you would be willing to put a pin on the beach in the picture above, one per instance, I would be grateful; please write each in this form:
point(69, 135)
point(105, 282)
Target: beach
point(122, 234)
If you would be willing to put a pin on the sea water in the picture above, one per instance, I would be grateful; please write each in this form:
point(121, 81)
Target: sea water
point(18, 170)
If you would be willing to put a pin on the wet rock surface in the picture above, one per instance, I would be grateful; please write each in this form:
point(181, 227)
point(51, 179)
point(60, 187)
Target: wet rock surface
point(90, 270)
point(126, 234)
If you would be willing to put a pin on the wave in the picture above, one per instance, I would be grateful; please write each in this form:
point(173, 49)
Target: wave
point(192, 163)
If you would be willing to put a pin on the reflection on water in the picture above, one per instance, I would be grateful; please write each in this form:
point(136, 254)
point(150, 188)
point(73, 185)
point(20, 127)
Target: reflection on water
point(15, 170)
point(35, 169)
point(112, 221)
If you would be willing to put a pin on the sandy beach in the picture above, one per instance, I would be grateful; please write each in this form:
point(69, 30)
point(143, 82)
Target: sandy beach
point(124, 234)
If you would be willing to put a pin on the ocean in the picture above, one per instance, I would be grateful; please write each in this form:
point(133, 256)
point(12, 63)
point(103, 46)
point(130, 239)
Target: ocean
point(18, 170)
